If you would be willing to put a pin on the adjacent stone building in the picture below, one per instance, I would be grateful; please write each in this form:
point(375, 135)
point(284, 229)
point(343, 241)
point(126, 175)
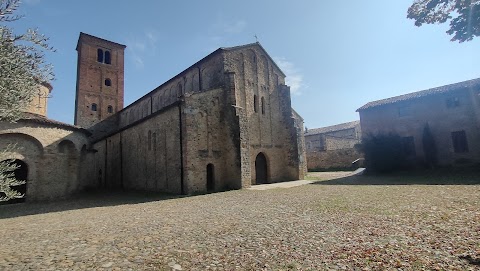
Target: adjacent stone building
point(333, 147)
point(452, 113)
point(51, 155)
point(225, 122)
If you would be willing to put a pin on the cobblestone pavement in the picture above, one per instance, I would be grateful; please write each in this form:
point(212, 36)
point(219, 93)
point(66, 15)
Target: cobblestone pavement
point(309, 227)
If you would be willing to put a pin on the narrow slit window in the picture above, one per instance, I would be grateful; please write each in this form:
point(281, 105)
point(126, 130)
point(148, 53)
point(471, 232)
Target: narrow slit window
point(94, 107)
point(255, 103)
point(110, 109)
point(263, 105)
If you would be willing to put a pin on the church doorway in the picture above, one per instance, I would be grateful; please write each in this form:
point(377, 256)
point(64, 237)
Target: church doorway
point(261, 169)
point(210, 178)
point(21, 173)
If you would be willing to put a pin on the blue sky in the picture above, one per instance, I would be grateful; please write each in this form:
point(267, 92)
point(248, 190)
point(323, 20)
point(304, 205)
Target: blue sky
point(338, 55)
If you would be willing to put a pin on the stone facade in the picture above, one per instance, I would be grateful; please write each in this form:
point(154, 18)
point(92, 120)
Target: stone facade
point(100, 79)
point(38, 105)
point(452, 113)
point(226, 122)
point(205, 129)
point(54, 155)
point(333, 147)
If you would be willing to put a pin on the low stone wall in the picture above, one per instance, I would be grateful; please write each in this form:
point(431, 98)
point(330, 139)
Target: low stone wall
point(332, 159)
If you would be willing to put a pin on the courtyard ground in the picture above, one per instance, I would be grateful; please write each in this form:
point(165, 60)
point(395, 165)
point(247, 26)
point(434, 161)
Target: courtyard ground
point(339, 223)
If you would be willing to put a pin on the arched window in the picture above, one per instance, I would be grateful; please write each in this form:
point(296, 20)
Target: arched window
point(94, 107)
point(100, 55)
point(263, 105)
point(107, 58)
point(110, 109)
point(108, 82)
point(255, 103)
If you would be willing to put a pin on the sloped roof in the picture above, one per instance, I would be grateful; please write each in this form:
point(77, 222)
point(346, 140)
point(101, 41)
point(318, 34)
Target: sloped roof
point(212, 54)
point(31, 117)
point(333, 128)
point(423, 93)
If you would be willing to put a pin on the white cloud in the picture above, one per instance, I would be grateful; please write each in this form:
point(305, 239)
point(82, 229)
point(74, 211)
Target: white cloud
point(140, 47)
point(294, 78)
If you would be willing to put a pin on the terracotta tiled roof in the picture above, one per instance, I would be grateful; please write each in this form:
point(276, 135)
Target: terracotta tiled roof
point(333, 128)
point(31, 117)
point(423, 93)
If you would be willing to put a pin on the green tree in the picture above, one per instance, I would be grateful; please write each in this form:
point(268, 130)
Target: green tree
point(22, 69)
point(464, 16)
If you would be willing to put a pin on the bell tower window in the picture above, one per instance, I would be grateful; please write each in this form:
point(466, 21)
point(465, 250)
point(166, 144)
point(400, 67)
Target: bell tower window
point(100, 55)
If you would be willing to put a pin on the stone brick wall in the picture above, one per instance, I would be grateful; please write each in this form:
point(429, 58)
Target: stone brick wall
point(57, 158)
point(145, 156)
point(91, 80)
point(263, 103)
point(332, 159)
point(442, 119)
point(38, 105)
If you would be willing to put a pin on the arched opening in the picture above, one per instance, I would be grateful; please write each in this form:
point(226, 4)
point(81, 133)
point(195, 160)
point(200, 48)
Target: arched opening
point(261, 169)
point(210, 177)
point(107, 58)
point(110, 109)
point(21, 174)
point(100, 55)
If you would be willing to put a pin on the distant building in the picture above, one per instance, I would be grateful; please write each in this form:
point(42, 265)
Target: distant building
point(452, 113)
point(332, 147)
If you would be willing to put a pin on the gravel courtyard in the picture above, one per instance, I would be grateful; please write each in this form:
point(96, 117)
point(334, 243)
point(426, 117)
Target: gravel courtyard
point(323, 226)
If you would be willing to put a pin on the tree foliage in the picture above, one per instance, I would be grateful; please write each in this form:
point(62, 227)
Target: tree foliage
point(22, 64)
point(7, 177)
point(464, 16)
point(22, 69)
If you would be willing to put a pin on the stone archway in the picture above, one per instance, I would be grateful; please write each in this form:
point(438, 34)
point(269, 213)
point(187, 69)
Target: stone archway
point(261, 169)
point(21, 173)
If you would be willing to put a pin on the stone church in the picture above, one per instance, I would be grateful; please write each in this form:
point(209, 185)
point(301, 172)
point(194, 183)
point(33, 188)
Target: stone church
point(226, 122)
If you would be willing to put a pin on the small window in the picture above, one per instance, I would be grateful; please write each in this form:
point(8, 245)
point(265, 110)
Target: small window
point(110, 109)
point(100, 55)
point(404, 111)
point(94, 107)
point(459, 140)
point(255, 103)
point(453, 102)
point(408, 145)
point(107, 57)
point(263, 106)
point(108, 82)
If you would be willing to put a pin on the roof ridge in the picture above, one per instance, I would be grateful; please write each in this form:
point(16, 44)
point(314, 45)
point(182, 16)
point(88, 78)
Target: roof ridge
point(421, 93)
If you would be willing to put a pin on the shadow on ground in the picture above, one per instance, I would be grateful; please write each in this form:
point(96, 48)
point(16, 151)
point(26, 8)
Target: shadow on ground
point(428, 177)
point(81, 201)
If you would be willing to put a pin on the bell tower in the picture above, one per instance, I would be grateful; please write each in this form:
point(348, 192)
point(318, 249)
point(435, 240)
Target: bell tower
point(100, 78)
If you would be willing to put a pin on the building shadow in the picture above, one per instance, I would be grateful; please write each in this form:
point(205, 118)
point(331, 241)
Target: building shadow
point(82, 201)
point(427, 177)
